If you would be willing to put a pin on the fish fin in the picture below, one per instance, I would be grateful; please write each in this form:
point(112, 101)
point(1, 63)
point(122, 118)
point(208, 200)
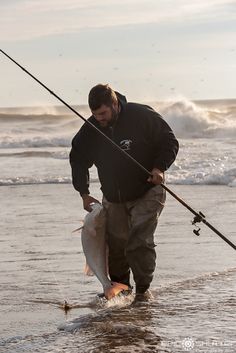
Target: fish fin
point(88, 271)
point(76, 230)
point(107, 264)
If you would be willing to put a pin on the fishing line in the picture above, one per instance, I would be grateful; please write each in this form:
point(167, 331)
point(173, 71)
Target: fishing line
point(198, 216)
point(64, 305)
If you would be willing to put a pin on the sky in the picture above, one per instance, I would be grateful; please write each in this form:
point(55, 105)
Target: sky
point(149, 50)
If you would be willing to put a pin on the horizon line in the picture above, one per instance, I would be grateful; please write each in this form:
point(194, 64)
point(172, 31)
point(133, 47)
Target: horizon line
point(141, 102)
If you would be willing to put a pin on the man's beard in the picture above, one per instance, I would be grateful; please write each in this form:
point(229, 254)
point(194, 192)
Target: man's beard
point(114, 117)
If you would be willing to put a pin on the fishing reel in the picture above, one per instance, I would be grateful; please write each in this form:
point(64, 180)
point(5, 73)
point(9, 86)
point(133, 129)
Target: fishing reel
point(197, 219)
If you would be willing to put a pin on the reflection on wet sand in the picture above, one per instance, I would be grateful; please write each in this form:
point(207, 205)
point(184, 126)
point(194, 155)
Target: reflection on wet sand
point(121, 328)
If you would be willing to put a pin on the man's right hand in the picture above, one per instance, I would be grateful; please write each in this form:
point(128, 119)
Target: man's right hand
point(87, 200)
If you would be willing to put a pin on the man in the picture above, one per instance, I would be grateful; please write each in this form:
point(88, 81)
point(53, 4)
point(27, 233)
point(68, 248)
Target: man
point(132, 199)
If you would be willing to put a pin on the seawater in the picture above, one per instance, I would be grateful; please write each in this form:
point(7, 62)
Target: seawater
point(42, 263)
point(38, 139)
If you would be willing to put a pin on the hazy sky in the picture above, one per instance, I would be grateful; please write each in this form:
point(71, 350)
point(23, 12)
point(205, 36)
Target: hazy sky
point(146, 49)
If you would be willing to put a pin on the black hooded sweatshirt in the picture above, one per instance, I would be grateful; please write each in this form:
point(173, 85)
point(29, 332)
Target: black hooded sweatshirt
point(142, 133)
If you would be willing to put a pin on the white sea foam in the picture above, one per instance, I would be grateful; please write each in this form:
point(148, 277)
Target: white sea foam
point(17, 141)
point(34, 180)
point(38, 180)
point(35, 143)
point(52, 128)
point(190, 120)
point(35, 153)
point(223, 177)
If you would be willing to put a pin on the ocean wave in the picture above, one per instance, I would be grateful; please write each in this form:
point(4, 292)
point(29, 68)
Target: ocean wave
point(36, 154)
point(56, 128)
point(221, 177)
point(228, 179)
point(11, 141)
point(42, 111)
point(38, 181)
point(190, 120)
point(34, 180)
point(197, 280)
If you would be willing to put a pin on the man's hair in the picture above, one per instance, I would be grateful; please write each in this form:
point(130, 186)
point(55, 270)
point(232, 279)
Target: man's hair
point(101, 94)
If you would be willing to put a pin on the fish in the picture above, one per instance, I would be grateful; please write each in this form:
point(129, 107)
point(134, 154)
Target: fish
point(94, 245)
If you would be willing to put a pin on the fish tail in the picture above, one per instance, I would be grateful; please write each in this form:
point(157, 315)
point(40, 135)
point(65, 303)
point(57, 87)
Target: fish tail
point(115, 289)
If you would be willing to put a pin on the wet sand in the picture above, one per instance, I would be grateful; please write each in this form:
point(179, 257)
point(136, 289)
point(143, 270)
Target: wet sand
point(42, 265)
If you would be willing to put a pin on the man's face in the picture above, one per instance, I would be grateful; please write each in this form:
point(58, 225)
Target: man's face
point(106, 115)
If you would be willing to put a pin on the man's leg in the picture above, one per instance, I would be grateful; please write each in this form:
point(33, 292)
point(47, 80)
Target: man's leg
point(117, 235)
point(140, 250)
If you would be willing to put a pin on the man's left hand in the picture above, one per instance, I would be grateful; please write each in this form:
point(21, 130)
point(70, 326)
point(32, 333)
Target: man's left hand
point(157, 177)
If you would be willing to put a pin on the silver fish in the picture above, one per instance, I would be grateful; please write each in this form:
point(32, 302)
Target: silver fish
point(95, 249)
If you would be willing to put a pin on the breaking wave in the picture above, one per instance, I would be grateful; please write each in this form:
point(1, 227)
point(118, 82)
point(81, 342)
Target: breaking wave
point(225, 178)
point(37, 154)
point(37, 180)
point(191, 120)
point(55, 127)
point(35, 143)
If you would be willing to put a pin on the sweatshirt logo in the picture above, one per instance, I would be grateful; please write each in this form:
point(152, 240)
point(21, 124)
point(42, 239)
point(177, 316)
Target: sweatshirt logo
point(125, 144)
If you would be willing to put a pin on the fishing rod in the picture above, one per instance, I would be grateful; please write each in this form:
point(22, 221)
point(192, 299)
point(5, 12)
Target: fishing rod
point(198, 216)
